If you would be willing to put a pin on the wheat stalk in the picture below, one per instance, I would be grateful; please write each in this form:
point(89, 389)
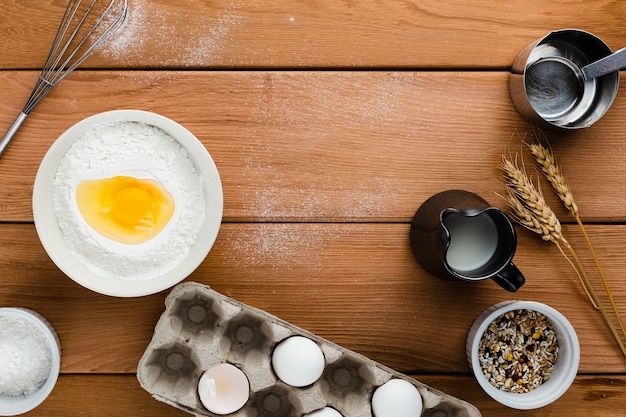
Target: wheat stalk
point(547, 162)
point(529, 209)
point(528, 204)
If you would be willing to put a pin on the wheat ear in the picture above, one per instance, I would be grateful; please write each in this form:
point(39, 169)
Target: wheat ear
point(527, 197)
point(528, 204)
point(522, 215)
point(546, 161)
point(529, 209)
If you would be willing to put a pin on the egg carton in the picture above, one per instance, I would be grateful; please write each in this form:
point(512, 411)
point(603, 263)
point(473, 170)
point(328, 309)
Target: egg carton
point(201, 328)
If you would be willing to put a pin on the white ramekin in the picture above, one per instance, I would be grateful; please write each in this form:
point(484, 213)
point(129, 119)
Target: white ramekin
point(12, 406)
point(565, 367)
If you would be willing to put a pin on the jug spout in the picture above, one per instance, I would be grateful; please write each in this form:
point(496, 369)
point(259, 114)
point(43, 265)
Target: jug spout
point(458, 235)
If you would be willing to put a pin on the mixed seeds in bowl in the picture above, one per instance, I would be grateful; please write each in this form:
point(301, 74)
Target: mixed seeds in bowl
point(518, 350)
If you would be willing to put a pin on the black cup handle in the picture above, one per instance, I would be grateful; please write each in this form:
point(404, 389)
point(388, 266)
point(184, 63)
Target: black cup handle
point(511, 279)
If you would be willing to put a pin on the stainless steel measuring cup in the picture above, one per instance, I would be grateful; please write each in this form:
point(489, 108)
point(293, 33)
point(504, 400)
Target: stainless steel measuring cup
point(547, 84)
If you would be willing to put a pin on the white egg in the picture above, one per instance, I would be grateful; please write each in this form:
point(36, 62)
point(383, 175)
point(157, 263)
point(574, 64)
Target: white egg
point(298, 361)
point(223, 389)
point(324, 412)
point(397, 398)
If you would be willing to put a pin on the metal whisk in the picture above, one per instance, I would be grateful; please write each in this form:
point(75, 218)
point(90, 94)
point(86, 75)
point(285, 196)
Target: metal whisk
point(86, 25)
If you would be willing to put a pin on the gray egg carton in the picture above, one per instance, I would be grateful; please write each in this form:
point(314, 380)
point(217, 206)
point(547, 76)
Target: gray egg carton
point(201, 328)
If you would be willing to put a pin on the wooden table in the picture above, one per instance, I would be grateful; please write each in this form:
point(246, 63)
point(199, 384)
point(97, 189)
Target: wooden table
point(330, 123)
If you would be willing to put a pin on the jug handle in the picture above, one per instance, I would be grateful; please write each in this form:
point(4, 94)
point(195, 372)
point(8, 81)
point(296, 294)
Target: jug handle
point(510, 278)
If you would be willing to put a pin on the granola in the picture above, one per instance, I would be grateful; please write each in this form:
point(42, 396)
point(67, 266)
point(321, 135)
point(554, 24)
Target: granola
point(518, 351)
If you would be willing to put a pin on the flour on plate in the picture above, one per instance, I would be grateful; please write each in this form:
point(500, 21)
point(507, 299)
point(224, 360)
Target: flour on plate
point(137, 150)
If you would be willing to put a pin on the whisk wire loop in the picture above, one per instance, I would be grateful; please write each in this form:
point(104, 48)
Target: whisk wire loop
point(85, 27)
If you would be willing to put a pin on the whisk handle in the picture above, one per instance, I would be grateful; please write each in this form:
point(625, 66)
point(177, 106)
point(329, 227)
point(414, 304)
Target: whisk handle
point(12, 130)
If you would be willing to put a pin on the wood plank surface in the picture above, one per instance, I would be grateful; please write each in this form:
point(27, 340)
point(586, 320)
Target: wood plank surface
point(330, 123)
point(314, 34)
point(354, 284)
point(326, 146)
point(593, 395)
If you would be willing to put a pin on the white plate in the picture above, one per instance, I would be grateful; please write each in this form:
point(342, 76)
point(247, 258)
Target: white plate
point(46, 221)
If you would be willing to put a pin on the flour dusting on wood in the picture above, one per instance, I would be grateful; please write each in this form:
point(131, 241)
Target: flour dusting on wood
point(279, 247)
point(182, 39)
point(299, 113)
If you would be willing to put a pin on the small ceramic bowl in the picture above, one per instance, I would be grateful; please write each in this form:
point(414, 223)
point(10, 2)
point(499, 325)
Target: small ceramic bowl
point(565, 365)
point(14, 405)
point(52, 237)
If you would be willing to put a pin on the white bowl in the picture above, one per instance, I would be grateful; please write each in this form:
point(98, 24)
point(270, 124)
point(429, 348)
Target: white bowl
point(565, 366)
point(51, 236)
point(12, 406)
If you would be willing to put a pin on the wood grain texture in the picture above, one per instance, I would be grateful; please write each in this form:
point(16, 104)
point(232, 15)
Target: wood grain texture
point(314, 34)
point(326, 146)
point(354, 284)
point(589, 396)
point(330, 123)
point(95, 395)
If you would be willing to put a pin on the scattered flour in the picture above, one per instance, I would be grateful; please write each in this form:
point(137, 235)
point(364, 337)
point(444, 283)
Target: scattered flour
point(26, 358)
point(278, 246)
point(203, 41)
point(137, 150)
point(304, 121)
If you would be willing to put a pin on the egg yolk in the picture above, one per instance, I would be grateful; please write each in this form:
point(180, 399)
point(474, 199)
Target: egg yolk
point(126, 209)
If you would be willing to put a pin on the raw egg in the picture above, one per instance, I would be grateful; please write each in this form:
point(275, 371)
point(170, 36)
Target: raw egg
point(397, 398)
point(223, 389)
point(126, 209)
point(298, 361)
